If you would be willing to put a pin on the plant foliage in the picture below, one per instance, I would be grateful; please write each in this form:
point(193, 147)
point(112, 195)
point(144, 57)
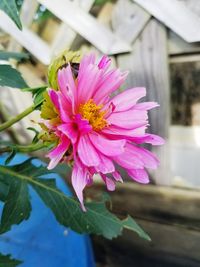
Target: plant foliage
point(10, 8)
point(17, 207)
point(11, 77)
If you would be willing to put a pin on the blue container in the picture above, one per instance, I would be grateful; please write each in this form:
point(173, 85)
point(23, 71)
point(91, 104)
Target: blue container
point(42, 241)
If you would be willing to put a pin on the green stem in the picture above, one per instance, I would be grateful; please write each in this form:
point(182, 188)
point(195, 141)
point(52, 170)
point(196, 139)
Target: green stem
point(24, 149)
point(20, 116)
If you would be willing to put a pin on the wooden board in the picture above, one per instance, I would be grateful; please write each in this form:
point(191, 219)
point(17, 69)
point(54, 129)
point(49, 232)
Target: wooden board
point(175, 15)
point(177, 45)
point(171, 246)
point(65, 36)
point(171, 216)
point(28, 39)
point(128, 20)
point(148, 66)
point(155, 203)
point(87, 26)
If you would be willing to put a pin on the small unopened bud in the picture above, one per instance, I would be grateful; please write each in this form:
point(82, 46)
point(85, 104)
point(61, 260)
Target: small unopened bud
point(61, 61)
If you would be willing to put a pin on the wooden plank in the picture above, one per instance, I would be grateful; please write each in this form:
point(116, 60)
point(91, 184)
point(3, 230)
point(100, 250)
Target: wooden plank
point(87, 26)
point(27, 39)
point(171, 216)
point(27, 14)
point(128, 20)
point(175, 15)
point(177, 46)
point(65, 36)
point(184, 58)
point(159, 204)
point(171, 246)
point(193, 5)
point(148, 65)
point(28, 10)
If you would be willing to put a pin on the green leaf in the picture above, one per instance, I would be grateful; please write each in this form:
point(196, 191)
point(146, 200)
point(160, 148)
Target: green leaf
point(11, 77)
point(101, 2)
point(4, 55)
point(97, 220)
point(6, 261)
point(17, 206)
point(37, 94)
point(11, 155)
point(10, 8)
point(4, 189)
point(130, 223)
point(35, 138)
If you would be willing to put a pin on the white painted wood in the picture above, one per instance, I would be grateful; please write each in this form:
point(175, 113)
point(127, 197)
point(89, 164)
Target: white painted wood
point(65, 36)
point(27, 13)
point(175, 15)
point(184, 58)
point(27, 39)
point(28, 10)
point(148, 66)
point(128, 20)
point(176, 45)
point(87, 26)
point(193, 5)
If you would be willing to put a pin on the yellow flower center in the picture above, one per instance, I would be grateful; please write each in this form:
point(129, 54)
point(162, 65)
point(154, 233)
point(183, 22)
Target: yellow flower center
point(91, 112)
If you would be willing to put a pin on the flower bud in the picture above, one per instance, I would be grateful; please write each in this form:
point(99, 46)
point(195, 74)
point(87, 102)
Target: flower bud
point(61, 61)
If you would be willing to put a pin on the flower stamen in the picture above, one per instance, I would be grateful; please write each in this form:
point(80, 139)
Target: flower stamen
point(92, 112)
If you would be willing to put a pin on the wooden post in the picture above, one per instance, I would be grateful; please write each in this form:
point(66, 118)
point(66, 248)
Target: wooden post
point(148, 66)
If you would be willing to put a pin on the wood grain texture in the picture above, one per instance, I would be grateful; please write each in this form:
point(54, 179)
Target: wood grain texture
point(28, 39)
point(193, 5)
point(175, 15)
point(171, 246)
point(177, 46)
point(171, 216)
point(65, 36)
point(87, 26)
point(155, 203)
point(128, 20)
point(148, 66)
point(27, 13)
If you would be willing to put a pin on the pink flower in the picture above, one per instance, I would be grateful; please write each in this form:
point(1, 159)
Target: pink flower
point(98, 132)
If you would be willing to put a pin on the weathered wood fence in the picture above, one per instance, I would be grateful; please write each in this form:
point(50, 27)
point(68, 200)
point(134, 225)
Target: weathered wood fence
point(135, 32)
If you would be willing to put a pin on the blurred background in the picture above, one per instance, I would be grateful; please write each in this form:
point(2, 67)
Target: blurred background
point(158, 42)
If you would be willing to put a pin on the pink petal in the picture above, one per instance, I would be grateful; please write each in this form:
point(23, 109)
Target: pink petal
point(87, 153)
point(106, 165)
point(65, 108)
point(127, 99)
point(148, 158)
point(110, 184)
point(146, 105)
point(54, 98)
point(86, 60)
point(140, 176)
point(129, 159)
point(88, 82)
point(79, 181)
point(70, 130)
point(57, 153)
point(149, 139)
point(104, 63)
point(124, 133)
point(128, 119)
point(83, 125)
point(67, 84)
point(106, 146)
point(117, 176)
point(109, 83)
